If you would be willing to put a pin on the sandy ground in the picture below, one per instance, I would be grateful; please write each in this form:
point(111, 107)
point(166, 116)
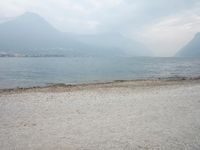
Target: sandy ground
point(146, 115)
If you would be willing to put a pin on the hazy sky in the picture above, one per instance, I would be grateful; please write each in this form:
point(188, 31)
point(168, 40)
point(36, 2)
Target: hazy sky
point(162, 25)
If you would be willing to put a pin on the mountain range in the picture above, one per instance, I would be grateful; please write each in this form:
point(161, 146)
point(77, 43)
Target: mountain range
point(30, 34)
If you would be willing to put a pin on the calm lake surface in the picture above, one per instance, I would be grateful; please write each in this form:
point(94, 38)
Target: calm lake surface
point(26, 72)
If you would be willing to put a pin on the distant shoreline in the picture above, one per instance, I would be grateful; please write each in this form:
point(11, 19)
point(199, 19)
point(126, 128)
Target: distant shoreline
point(29, 56)
point(61, 87)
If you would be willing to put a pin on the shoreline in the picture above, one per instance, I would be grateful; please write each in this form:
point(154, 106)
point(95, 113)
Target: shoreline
point(61, 87)
point(140, 115)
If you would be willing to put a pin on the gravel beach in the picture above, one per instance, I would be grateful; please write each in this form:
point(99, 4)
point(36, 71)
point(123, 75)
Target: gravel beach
point(123, 115)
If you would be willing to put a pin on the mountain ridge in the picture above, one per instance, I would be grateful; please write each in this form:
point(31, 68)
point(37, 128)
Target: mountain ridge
point(191, 49)
point(30, 34)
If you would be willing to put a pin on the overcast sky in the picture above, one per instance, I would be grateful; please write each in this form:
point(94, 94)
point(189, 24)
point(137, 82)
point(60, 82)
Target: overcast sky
point(162, 25)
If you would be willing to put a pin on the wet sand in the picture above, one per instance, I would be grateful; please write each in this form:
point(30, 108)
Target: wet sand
point(119, 115)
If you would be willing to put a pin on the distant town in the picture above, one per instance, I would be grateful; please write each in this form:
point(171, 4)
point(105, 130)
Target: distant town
point(23, 55)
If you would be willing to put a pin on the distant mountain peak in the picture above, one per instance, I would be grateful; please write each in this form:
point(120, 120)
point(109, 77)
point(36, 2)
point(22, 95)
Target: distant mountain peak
point(30, 22)
point(197, 35)
point(30, 16)
point(192, 49)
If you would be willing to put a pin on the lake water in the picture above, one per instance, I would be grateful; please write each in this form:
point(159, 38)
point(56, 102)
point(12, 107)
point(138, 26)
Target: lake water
point(26, 72)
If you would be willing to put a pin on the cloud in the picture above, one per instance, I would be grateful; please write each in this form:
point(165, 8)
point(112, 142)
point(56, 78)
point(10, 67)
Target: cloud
point(170, 34)
point(144, 20)
point(111, 14)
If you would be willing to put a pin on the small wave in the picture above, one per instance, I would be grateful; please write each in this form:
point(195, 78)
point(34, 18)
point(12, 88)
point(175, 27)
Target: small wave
point(179, 78)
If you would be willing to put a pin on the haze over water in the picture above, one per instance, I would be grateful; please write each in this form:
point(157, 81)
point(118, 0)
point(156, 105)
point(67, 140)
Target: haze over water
point(27, 72)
